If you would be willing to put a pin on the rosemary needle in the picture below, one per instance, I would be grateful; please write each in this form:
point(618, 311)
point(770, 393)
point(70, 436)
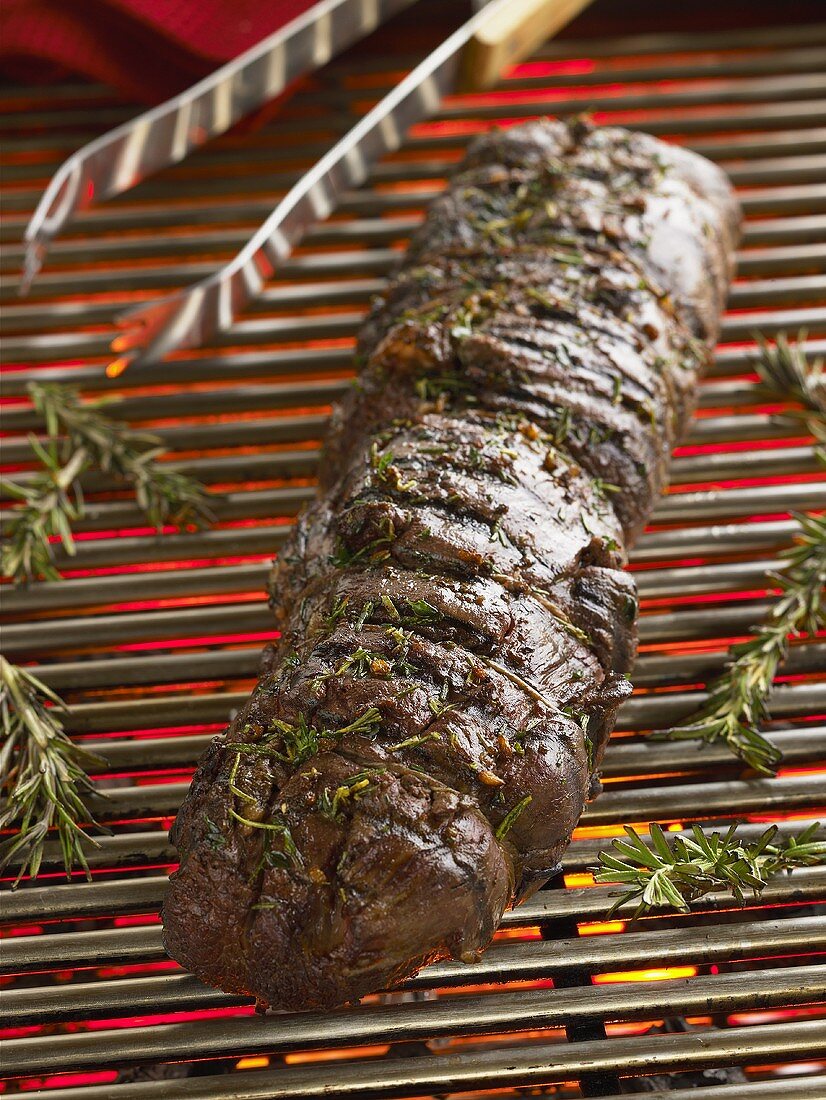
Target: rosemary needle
point(43, 775)
point(661, 874)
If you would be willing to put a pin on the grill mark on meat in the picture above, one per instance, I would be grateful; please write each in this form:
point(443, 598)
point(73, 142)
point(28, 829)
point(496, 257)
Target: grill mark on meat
point(456, 630)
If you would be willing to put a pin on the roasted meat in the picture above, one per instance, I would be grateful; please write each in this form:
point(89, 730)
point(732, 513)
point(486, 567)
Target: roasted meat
point(456, 626)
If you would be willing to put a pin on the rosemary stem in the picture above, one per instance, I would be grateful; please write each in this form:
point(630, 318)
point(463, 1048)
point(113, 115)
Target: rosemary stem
point(42, 775)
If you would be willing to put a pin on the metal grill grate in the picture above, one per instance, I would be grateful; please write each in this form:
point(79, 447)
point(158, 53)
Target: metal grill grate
point(154, 641)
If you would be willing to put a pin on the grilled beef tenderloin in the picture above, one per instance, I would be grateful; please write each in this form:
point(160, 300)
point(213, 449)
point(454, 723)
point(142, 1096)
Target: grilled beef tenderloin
point(456, 624)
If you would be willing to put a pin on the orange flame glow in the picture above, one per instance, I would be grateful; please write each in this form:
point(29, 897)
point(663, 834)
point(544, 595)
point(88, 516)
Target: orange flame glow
point(117, 366)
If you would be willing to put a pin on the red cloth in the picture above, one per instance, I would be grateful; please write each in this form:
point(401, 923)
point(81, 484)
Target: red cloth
point(146, 49)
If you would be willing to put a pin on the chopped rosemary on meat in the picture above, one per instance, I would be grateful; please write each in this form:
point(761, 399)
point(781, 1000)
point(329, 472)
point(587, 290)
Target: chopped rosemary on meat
point(462, 324)
point(431, 387)
point(510, 818)
point(660, 874)
point(338, 612)
point(367, 723)
point(438, 707)
point(548, 303)
point(390, 608)
point(268, 825)
point(285, 858)
point(351, 789)
point(297, 741)
point(561, 617)
point(364, 615)
point(402, 638)
point(372, 552)
point(604, 488)
point(422, 612)
point(364, 662)
point(415, 741)
point(214, 838)
point(411, 612)
point(386, 472)
point(523, 684)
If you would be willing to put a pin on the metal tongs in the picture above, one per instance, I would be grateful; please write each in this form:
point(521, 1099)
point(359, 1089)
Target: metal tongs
point(167, 134)
point(471, 59)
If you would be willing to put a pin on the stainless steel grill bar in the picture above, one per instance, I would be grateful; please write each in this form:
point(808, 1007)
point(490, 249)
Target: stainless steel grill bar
point(123, 216)
point(271, 503)
point(643, 711)
point(135, 851)
point(779, 62)
point(106, 900)
point(171, 667)
point(316, 134)
point(490, 1069)
point(229, 435)
point(682, 41)
point(506, 960)
point(797, 1087)
point(796, 289)
point(581, 904)
point(657, 711)
point(376, 261)
point(795, 94)
point(717, 431)
point(369, 201)
point(372, 262)
point(273, 363)
point(658, 669)
point(503, 1013)
point(121, 588)
point(186, 622)
point(688, 801)
point(315, 140)
point(377, 230)
point(755, 101)
point(626, 760)
point(728, 538)
point(714, 393)
point(224, 664)
point(666, 545)
point(474, 1014)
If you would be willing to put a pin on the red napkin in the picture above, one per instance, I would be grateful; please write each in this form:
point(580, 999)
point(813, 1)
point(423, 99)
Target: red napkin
point(147, 49)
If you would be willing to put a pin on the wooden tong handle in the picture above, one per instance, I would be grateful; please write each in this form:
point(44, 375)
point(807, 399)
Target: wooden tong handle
point(511, 33)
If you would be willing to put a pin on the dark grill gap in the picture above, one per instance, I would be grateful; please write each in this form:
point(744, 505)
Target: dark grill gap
point(155, 641)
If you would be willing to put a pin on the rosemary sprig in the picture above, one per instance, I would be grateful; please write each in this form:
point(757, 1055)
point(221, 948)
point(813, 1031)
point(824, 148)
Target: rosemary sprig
point(165, 496)
point(43, 775)
point(662, 874)
point(785, 372)
point(80, 437)
point(48, 505)
point(738, 700)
